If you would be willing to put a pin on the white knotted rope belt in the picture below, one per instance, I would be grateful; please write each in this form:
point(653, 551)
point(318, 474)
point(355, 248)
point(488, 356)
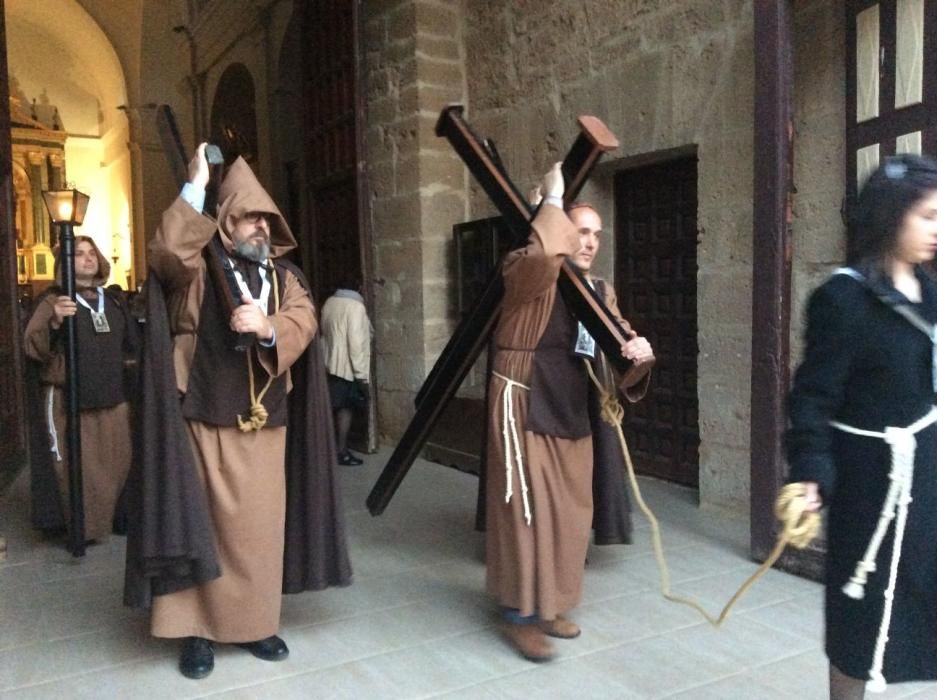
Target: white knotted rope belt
point(903, 445)
point(53, 433)
point(512, 442)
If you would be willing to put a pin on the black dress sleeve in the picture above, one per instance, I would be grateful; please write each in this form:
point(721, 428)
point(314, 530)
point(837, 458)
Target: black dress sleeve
point(821, 380)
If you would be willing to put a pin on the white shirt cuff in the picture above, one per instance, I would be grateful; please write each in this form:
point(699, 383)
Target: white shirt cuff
point(194, 195)
point(555, 201)
point(269, 343)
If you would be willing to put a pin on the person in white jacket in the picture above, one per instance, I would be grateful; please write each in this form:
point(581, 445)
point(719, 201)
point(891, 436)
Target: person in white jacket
point(346, 332)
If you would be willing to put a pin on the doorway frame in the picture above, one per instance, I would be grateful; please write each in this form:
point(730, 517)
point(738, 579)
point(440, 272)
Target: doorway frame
point(14, 453)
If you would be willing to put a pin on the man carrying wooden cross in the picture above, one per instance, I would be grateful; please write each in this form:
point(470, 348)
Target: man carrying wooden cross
point(539, 476)
point(234, 500)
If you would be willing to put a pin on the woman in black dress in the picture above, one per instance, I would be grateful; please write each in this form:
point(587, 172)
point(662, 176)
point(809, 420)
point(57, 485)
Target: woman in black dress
point(863, 436)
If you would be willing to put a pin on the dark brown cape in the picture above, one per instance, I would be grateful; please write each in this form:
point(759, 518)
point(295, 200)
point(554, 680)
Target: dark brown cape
point(169, 536)
point(611, 507)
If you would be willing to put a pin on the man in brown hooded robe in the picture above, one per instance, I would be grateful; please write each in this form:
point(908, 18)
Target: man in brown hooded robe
point(106, 335)
point(539, 469)
point(234, 404)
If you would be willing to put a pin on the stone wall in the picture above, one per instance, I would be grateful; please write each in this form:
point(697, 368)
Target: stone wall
point(162, 63)
point(819, 242)
point(663, 76)
point(415, 66)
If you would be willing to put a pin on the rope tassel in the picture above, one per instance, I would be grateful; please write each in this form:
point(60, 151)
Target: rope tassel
point(512, 443)
point(50, 421)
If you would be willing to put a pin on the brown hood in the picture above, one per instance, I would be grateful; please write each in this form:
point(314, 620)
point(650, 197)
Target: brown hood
point(104, 267)
point(241, 192)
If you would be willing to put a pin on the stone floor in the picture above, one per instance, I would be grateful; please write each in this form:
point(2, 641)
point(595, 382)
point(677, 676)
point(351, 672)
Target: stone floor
point(416, 622)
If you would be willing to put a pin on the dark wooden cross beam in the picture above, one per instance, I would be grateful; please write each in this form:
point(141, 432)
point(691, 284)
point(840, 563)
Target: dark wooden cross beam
point(474, 331)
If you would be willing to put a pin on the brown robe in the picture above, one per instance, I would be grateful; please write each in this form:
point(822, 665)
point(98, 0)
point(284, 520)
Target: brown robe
point(106, 448)
point(536, 568)
point(242, 473)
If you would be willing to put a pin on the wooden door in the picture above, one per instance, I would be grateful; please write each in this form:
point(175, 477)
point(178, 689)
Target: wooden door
point(336, 191)
point(655, 278)
point(12, 402)
point(331, 146)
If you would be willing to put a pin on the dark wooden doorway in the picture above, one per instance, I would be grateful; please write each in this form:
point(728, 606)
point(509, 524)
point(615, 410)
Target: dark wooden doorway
point(12, 393)
point(333, 106)
point(655, 278)
point(331, 144)
point(234, 115)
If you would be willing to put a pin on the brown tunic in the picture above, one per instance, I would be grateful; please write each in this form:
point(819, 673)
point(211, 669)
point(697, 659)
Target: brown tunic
point(536, 568)
point(242, 472)
point(106, 448)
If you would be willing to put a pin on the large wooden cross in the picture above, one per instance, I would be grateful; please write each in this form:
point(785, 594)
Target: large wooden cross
point(473, 333)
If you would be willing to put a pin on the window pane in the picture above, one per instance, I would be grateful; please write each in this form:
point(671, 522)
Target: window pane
point(909, 143)
point(867, 62)
point(909, 53)
point(866, 162)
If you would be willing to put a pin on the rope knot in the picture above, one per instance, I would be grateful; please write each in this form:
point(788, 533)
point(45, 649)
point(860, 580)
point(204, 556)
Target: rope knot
point(612, 410)
point(798, 524)
point(257, 420)
point(902, 440)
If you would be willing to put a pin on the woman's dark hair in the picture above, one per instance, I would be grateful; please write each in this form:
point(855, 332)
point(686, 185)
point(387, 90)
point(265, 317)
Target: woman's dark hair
point(348, 279)
point(886, 198)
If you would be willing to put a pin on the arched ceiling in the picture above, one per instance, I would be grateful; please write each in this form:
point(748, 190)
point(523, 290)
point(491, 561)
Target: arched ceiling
point(59, 54)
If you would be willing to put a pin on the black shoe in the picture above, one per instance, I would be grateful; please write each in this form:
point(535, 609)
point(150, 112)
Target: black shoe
point(269, 649)
point(347, 459)
point(197, 659)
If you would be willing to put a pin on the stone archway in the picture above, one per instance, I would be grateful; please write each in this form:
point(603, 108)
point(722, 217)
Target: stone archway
point(234, 115)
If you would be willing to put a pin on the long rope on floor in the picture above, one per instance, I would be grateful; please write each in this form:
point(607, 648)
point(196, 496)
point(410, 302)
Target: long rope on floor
point(799, 526)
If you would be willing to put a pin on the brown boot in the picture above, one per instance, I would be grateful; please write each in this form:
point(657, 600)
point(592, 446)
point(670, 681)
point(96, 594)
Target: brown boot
point(529, 640)
point(560, 628)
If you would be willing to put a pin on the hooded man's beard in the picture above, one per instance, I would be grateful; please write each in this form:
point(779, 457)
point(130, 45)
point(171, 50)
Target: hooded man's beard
point(257, 252)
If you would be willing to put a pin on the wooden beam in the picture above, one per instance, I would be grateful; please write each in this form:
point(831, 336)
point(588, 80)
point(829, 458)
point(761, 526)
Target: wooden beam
point(771, 262)
point(13, 391)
